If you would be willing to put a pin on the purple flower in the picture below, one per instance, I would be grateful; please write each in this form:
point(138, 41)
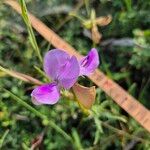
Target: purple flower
point(89, 63)
point(64, 71)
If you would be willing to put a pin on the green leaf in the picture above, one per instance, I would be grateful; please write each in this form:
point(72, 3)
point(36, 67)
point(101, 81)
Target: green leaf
point(77, 140)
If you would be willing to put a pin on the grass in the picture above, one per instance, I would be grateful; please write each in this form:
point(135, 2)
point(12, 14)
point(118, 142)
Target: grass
point(65, 126)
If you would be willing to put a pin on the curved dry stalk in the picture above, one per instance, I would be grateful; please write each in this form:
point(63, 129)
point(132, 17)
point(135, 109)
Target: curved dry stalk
point(21, 76)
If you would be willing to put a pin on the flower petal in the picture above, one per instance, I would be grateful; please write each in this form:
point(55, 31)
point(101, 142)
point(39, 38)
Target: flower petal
point(54, 60)
point(45, 94)
point(89, 63)
point(70, 73)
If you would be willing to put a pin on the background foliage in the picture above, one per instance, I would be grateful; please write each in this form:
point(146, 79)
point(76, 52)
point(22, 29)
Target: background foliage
point(125, 56)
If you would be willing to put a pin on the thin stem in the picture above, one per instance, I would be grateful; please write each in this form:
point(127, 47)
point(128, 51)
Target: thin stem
point(77, 139)
point(17, 99)
point(40, 115)
point(21, 76)
point(29, 28)
point(120, 132)
point(42, 73)
point(123, 133)
point(87, 6)
point(68, 18)
point(77, 16)
point(58, 129)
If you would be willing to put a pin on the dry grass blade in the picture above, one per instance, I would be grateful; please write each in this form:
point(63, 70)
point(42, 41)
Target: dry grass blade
point(21, 76)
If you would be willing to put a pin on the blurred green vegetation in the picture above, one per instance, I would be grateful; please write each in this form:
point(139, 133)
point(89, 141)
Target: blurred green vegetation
point(125, 56)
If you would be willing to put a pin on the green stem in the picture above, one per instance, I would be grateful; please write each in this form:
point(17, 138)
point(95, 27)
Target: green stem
point(29, 28)
point(40, 115)
point(77, 16)
point(77, 140)
point(121, 132)
point(17, 99)
point(42, 73)
point(58, 129)
point(86, 2)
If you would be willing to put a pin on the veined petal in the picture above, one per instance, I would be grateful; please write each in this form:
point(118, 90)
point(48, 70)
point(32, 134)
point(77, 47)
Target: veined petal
point(70, 73)
point(54, 61)
point(45, 94)
point(89, 63)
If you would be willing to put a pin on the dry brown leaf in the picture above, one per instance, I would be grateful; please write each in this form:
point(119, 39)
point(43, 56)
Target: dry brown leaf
point(103, 21)
point(96, 35)
point(85, 95)
point(37, 142)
